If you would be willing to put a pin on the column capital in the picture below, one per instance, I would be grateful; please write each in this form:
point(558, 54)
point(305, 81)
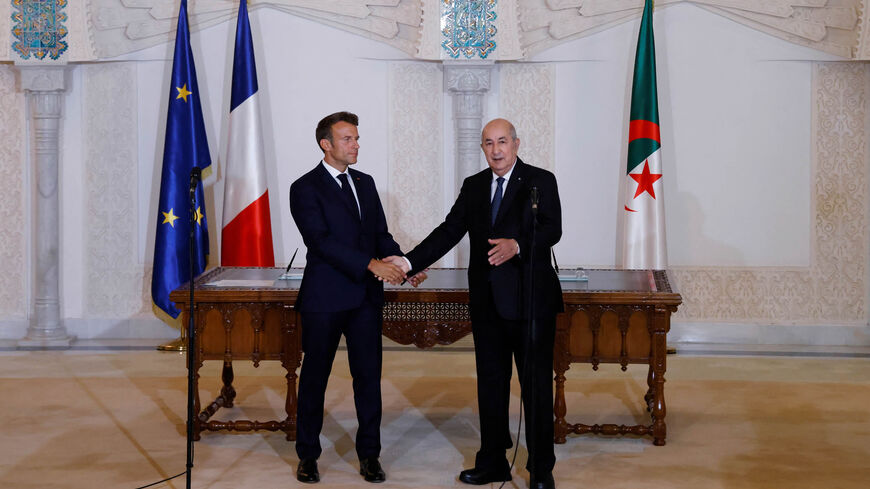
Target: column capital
point(42, 78)
point(464, 76)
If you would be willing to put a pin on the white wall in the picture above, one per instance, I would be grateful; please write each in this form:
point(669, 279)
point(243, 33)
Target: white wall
point(735, 113)
point(735, 108)
point(299, 84)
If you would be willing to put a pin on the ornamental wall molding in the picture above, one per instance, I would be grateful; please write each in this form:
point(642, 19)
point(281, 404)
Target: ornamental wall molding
point(13, 211)
point(122, 26)
point(527, 97)
point(114, 281)
point(415, 204)
point(833, 288)
point(832, 26)
point(101, 29)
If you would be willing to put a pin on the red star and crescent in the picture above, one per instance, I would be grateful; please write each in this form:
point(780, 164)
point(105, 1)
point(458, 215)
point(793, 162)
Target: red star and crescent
point(643, 129)
point(645, 181)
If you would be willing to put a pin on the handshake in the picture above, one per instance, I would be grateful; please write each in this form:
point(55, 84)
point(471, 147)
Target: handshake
point(394, 270)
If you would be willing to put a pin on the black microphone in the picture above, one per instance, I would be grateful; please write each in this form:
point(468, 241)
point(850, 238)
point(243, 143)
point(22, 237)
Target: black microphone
point(291, 260)
point(534, 197)
point(195, 177)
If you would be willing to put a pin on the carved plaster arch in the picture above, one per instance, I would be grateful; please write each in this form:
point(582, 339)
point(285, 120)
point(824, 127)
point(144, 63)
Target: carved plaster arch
point(525, 27)
point(118, 27)
point(832, 26)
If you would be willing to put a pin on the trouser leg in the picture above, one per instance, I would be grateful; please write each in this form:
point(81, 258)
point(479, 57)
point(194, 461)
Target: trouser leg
point(320, 335)
point(493, 364)
point(537, 391)
point(365, 353)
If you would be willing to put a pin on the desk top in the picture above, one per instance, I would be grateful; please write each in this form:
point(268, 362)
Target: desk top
point(443, 284)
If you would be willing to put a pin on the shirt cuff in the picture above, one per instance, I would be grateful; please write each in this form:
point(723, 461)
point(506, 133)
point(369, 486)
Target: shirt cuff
point(408, 262)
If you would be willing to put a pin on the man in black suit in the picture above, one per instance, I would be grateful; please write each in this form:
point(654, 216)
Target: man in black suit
point(339, 214)
point(495, 208)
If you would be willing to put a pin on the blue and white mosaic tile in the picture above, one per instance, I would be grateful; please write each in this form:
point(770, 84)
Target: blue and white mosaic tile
point(468, 27)
point(39, 28)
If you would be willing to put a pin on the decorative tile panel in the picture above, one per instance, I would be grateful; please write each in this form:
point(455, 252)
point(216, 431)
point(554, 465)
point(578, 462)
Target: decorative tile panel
point(13, 241)
point(468, 27)
point(527, 99)
point(416, 188)
point(6, 30)
point(39, 28)
point(115, 277)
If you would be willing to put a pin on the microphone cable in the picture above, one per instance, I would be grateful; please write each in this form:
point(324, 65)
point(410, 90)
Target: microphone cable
point(525, 376)
point(164, 480)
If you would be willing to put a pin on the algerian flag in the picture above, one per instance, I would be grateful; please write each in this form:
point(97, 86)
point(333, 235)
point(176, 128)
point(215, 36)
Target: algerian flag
point(644, 230)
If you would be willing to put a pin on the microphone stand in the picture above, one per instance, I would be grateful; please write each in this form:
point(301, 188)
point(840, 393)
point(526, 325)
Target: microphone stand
point(195, 175)
point(531, 343)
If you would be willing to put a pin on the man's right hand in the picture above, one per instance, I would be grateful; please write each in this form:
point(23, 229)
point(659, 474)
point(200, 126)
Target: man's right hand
point(399, 262)
point(386, 272)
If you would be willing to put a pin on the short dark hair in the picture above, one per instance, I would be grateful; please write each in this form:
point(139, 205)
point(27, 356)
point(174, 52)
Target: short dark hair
point(324, 127)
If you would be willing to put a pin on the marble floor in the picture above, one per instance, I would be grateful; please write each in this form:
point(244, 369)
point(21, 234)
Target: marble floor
point(114, 418)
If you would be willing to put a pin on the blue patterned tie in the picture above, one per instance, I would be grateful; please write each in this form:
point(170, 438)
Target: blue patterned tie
point(348, 193)
point(496, 199)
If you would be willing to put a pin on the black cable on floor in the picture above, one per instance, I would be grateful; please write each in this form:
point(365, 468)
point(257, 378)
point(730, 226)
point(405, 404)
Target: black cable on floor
point(164, 480)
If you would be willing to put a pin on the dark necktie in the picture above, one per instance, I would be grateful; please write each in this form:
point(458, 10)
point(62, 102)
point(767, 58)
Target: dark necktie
point(347, 192)
point(496, 199)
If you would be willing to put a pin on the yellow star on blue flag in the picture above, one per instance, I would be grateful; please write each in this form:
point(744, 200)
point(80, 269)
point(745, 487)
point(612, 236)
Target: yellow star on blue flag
point(169, 218)
point(182, 92)
point(186, 147)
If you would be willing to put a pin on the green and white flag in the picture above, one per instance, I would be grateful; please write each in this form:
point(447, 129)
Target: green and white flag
point(644, 231)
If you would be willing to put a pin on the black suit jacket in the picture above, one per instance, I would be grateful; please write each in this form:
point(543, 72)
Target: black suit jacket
point(508, 282)
point(339, 244)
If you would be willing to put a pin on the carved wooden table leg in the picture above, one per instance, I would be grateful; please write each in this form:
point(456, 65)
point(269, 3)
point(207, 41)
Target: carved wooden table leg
point(560, 409)
point(197, 421)
point(650, 375)
point(561, 362)
point(227, 391)
point(659, 358)
point(291, 360)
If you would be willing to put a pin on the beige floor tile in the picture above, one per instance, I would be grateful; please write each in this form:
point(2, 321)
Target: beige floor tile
point(94, 420)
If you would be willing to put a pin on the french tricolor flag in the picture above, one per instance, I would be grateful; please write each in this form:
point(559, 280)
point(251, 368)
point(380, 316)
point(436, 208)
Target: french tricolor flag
point(246, 237)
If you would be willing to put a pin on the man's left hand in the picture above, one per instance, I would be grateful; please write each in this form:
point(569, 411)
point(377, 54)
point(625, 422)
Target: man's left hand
point(418, 278)
point(503, 249)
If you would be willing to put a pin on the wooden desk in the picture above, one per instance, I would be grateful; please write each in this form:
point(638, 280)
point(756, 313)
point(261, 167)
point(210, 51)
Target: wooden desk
point(616, 317)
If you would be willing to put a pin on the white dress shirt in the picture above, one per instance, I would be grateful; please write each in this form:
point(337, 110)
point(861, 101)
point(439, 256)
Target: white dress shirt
point(494, 184)
point(335, 173)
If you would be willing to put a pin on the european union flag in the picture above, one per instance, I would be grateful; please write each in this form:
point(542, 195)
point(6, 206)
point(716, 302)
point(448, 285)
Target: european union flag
point(185, 147)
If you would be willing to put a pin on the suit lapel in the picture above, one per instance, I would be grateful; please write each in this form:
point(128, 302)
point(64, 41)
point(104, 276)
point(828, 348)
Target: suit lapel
point(333, 189)
point(515, 185)
point(362, 194)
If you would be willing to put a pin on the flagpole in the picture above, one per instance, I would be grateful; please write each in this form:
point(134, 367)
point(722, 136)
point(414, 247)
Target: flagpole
point(178, 345)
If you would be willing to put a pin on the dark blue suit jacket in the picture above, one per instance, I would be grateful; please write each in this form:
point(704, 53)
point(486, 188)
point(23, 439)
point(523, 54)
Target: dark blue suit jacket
point(508, 283)
point(340, 245)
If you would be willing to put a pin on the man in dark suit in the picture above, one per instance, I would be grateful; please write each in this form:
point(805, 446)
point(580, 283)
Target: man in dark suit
point(495, 208)
point(339, 214)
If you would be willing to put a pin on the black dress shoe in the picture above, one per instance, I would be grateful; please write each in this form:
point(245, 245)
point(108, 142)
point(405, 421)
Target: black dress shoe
point(307, 472)
point(480, 476)
point(544, 480)
point(371, 470)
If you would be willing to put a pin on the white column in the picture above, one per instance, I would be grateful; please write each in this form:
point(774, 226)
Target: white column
point(45, 87)
point(467, 83)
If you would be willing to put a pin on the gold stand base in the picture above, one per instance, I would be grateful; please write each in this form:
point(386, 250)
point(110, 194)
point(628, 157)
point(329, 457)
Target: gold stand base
point(179, 345)
point(671, 350)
